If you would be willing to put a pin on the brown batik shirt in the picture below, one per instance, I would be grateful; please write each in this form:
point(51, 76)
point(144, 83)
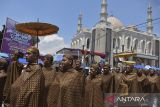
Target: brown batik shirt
point(27, 90)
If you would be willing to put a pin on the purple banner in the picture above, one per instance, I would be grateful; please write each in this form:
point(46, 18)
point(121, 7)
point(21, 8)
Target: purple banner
point(14, 40)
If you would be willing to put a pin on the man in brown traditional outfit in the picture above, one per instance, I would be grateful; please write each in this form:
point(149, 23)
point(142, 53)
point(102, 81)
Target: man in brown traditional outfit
point(3, 75)
point(93, 89)
point(107, 79)
point(143, 83)
point(13, 72)
point(79, 68)
point(118, 85)
point(117, 70)
point(71, 85)
point(49, 75)
point(130, 79)
point(27, 90)
point(154, 82)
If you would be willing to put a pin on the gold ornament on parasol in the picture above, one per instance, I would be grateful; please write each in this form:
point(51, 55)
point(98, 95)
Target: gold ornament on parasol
point(37, 29)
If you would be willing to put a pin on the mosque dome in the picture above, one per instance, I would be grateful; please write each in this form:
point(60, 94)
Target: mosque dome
point(116, 23)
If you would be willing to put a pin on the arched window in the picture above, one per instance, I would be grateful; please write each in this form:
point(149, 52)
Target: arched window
point(128, 42)
point(118, 43)
point(135, 47)
point(88, 43)
point(149, 47)
point(142, 46)
point(72, 45)
point(114, 43)
point(77, 43)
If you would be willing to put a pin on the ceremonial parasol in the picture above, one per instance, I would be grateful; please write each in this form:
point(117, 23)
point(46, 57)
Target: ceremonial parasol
point(129, 62)
point(125, 54)
point(37, 29)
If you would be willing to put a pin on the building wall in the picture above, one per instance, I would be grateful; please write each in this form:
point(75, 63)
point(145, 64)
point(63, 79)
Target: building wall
point(122, 40)
point(80, 41)
point(138, 42)
point(127, 41)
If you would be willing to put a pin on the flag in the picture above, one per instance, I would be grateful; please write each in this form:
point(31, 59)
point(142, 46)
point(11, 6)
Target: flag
point(13, 40)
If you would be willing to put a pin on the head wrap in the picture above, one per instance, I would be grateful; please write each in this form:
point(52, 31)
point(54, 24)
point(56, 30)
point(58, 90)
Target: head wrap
point(33, 50)
point(95, 66)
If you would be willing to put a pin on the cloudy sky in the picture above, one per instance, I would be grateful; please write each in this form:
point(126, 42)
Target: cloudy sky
point(64, 14)
point(52, 43)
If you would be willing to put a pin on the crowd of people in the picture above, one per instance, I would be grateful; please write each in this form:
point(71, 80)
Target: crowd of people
point(37, 85)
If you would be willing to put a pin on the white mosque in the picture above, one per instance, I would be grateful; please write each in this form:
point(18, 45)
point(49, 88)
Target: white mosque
point(110, 36)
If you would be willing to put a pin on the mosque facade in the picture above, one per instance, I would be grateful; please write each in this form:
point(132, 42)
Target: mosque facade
point(110, 36)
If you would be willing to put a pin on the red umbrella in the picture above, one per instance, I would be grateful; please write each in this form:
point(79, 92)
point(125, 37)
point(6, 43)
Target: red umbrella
point(102, 55)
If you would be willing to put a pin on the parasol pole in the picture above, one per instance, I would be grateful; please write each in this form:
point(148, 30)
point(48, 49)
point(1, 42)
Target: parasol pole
point(37, 32)
point(37, 38)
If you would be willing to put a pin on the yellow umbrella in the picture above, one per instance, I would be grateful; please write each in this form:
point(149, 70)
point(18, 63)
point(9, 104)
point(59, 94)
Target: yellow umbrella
point(129, 62)
point(125, 54)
